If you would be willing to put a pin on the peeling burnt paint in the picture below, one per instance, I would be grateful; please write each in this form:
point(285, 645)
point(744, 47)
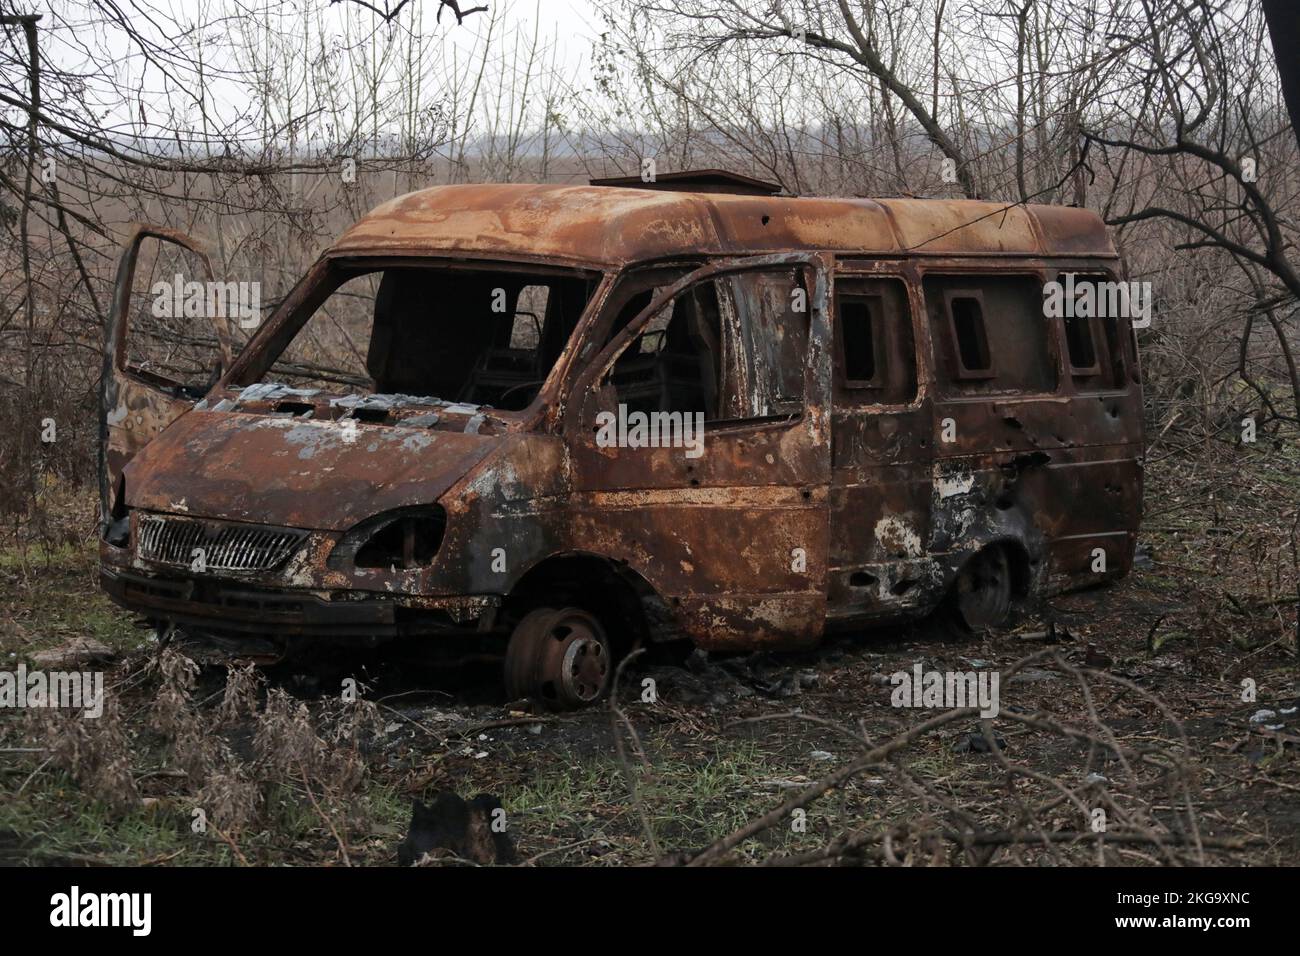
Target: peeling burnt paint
point(896, 537)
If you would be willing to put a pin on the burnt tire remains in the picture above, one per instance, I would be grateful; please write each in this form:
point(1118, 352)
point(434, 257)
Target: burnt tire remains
point(982, 593)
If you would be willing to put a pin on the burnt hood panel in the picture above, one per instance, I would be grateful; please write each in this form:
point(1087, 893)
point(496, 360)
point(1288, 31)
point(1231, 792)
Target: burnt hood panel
point(294, 472)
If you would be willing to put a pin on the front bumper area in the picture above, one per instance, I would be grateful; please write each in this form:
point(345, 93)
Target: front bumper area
point(230, 608)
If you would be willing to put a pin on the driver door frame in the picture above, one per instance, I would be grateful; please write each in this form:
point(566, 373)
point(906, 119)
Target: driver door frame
point(136, 404)
point(698, 531)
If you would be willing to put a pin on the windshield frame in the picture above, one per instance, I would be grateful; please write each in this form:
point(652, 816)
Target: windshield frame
point(333, 270)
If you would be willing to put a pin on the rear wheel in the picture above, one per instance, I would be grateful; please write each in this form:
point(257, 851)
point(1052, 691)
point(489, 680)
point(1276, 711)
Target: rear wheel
point(560, 657)
point(982, 593)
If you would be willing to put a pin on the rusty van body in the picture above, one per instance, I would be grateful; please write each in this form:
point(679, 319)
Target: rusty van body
point(891, 425)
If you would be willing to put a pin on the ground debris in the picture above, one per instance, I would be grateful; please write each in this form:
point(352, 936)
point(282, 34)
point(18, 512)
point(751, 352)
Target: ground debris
point(451, 828)
point(77, 652)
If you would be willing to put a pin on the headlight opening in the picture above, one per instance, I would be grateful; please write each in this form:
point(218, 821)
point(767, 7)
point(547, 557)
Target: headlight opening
point(407, 540)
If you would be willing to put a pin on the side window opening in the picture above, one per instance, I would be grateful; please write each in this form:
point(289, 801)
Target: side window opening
point(859, 329)
point(1094, 347)
point(966, 313)
point(635, 293)
point(990, 335)
point(1078, 340)
point(772, 314)
point(732, 347)
point(672, 365)
point(876, 356)
point(171, 315)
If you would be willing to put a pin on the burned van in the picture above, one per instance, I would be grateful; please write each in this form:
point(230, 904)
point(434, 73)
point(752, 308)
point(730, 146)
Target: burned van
point(550, 423)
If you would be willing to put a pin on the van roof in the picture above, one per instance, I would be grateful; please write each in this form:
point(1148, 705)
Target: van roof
point(603, 226)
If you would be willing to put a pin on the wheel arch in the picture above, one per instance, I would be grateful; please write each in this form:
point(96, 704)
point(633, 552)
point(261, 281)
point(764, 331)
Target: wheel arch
point(617, 595)
point(1027, 556)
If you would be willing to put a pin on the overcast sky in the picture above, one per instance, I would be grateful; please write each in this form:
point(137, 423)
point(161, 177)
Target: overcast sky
point(86, 42)
point(574, 22)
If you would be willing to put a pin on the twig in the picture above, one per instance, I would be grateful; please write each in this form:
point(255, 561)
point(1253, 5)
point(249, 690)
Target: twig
point(616, 716)
point(343, 848)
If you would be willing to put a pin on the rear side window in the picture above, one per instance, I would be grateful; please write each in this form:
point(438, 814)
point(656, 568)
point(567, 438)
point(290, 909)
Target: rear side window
point(1082, 349)
point(966, 316)
point(875, 359)
point(1093, 344)
point(859, 338)
point(990, 335)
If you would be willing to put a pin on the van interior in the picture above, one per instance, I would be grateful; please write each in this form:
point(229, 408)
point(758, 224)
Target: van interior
point(471, 335)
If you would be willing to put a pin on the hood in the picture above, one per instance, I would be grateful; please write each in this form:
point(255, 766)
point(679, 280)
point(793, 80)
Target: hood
point(296, 472)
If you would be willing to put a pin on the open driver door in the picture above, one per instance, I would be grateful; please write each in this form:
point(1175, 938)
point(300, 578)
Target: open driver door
point(164, 349)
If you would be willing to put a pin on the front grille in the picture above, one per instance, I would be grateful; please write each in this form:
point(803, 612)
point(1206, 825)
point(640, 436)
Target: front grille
point(166, 539)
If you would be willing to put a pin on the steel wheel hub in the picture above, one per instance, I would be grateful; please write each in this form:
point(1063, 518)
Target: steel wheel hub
point(560, 657)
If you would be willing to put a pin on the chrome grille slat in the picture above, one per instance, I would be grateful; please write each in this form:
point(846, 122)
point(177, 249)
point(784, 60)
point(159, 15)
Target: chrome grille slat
point(228, 549)
point(256, 544)
point(269, 543)
point(242, 552)
point(171, 539)
point(191, 544)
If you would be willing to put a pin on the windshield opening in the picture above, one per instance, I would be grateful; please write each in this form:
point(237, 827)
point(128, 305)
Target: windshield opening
point(479, 335)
